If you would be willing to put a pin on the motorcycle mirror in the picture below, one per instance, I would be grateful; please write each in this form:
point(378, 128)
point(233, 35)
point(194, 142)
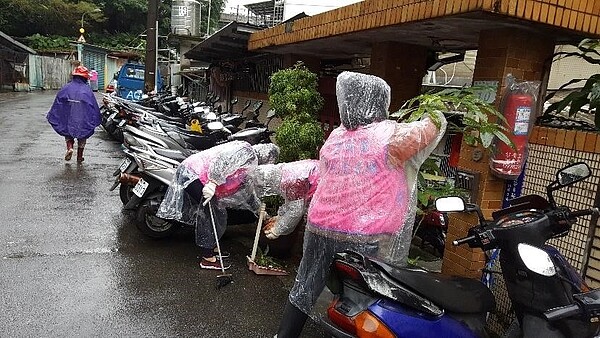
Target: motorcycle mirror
point(271, 113)
point(536, 260)
point(568, 175)
point(573, 173)
point(450, 204)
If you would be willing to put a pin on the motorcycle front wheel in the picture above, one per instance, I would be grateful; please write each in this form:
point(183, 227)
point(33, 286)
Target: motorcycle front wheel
point(152, 226)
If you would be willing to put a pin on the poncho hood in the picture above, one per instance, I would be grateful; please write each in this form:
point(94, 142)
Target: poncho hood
point(362, 99)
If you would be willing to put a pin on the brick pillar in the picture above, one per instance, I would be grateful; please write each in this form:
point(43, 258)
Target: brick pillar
point(402, 66)
point(501, 52)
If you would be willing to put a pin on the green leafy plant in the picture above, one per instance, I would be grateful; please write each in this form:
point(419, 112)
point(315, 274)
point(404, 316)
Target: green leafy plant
point(263, 259)
point(590, 93)
point(433, 185)
point(294, 96)
point(48, 43)
point(465, 111)
point(294, 92)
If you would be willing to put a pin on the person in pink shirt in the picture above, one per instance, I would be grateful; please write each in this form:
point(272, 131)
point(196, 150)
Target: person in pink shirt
point(366, 197)
point(296, 183)
point(219, 174)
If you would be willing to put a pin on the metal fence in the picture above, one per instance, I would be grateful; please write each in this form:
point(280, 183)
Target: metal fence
point(195, 87)
point(47, 72)
point(543, 163)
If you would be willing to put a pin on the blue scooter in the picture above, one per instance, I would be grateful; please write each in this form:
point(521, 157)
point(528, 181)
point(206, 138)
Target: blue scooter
point(374, 299)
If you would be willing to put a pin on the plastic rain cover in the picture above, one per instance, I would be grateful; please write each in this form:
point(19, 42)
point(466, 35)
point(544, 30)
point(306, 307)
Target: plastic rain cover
point(366, 197)
point(295, 182)
point(228, 166)
point(518, 106)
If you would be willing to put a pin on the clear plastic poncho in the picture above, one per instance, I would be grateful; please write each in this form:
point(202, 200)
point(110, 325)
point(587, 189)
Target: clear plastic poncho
point(367, 194)
point(228, 165)
point(295, 182)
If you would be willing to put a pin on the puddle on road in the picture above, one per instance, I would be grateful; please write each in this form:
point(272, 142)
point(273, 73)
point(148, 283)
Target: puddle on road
point(17, 255)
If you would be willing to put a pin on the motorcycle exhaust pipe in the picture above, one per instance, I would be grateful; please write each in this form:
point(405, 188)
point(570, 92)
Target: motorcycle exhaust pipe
point(129, 179)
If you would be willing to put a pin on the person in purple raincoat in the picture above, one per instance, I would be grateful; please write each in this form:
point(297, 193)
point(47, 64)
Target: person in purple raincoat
point(75, 113)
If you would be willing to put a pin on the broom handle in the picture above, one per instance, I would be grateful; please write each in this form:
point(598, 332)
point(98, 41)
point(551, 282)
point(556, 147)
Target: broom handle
point(258, 227)
point(212, 219)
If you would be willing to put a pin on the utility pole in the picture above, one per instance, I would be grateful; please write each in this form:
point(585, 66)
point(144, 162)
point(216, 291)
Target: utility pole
point(151, 46)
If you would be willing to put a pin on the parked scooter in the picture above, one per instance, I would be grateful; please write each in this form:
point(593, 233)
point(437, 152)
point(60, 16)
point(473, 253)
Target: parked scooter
point(146, 189)
point(538, 277)
point(258, 133)
point(375, 299)
point(431, 227)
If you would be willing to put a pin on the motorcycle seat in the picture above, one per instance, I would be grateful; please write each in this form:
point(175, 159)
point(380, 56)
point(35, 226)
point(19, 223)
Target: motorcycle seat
point(172, 154)
point(167, 118)
point(232, 119)
point(198, 142)
point(452, 293)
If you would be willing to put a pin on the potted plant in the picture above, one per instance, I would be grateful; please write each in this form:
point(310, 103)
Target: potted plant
point(294, 96)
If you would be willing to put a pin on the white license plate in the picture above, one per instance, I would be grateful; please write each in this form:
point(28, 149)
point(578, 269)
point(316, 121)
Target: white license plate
point(122, 123)
point(140, 188)
point(126, 162)
point(112, 116)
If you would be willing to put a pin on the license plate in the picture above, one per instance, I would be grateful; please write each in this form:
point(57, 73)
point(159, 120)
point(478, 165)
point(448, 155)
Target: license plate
point(122, 123)
point(126, 162)
point(140, 188)
point(112, 116)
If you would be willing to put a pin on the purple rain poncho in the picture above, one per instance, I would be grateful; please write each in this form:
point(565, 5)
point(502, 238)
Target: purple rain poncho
point(75, 111)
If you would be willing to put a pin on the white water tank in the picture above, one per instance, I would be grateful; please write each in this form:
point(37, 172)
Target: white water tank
point(186, 17)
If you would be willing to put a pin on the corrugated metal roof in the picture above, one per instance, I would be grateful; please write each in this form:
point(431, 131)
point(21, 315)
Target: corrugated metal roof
point(229, 43)
point(16, 45)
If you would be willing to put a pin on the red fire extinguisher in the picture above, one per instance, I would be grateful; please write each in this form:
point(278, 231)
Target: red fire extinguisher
point(518, 109)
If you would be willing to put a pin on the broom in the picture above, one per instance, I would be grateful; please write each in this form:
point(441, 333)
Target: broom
point(224, 278)
point(252, 265)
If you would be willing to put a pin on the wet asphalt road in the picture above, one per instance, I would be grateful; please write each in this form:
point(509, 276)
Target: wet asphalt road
point(72, 264)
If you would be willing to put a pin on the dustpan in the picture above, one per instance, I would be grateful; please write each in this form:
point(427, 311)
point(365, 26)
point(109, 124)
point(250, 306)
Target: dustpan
point(252, 265)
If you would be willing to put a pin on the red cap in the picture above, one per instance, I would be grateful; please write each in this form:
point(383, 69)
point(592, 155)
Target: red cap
point(81, 71)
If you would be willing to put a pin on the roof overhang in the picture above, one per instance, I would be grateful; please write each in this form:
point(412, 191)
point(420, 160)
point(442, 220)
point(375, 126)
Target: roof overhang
point(229, 43)
point(351, 31)
point(15, 45)
point(263, 8)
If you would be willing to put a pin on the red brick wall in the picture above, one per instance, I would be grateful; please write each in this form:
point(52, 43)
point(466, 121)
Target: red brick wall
point(501, 52)
point(402, 66)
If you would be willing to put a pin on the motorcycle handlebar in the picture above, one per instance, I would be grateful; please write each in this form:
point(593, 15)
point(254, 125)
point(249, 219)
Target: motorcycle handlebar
point(562, 312)
point(585, 212)
point(461, 241)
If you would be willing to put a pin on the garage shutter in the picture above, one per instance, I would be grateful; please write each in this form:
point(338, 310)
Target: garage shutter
point(94, 60)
